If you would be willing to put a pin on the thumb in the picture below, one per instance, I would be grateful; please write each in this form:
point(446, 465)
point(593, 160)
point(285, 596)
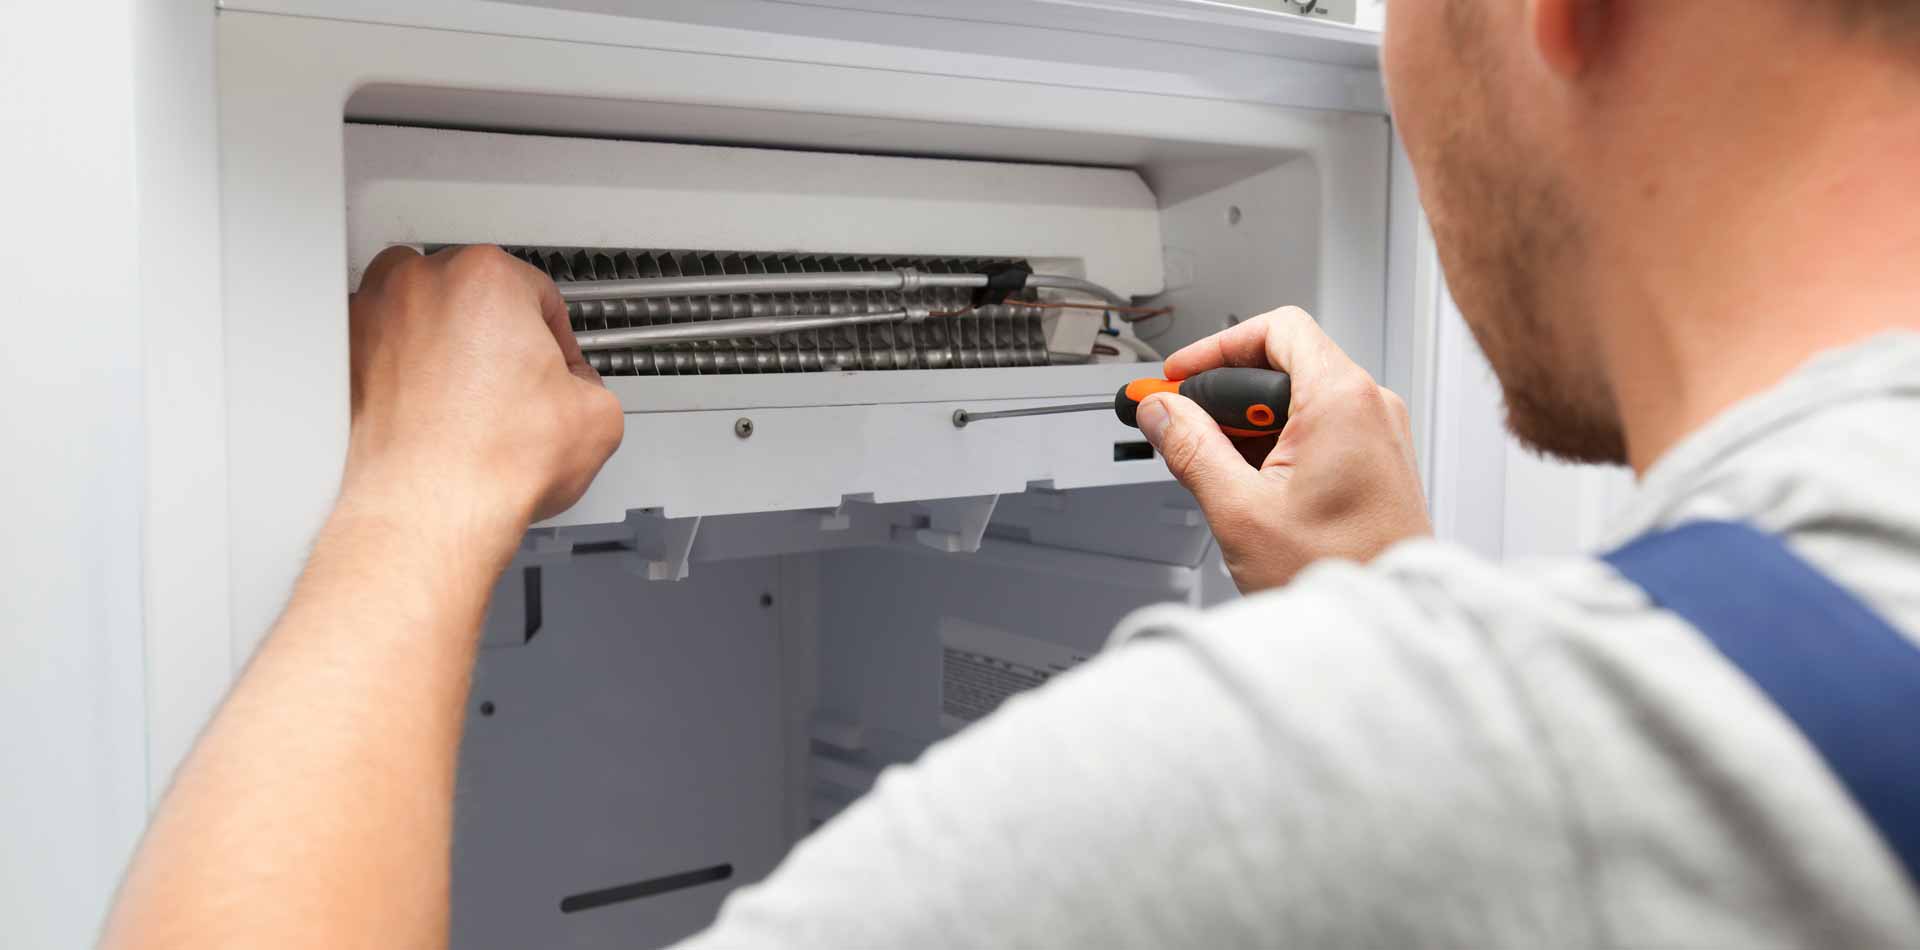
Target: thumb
point(1198, 454)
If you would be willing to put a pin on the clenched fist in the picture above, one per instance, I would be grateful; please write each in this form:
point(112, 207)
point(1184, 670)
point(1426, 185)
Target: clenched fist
point(471, 400)
point(1339, 480)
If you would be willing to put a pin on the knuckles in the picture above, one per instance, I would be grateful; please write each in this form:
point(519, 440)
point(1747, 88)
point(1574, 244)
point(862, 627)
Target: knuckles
point(443, 355)
point(482, 264)
point(1356, 392)
point(1396, 406)
point(608, 421)
point(1397, 410)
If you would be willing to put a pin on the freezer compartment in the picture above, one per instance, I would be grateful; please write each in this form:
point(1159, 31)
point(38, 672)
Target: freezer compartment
point(666, 251)
point(1222, 179)
point(634, 750)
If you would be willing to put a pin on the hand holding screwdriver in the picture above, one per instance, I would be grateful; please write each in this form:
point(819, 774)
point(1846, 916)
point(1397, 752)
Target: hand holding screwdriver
point(1248, 403)
point(1339, 480)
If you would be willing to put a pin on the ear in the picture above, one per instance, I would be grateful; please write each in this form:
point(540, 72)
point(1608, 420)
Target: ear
point(1567, 34)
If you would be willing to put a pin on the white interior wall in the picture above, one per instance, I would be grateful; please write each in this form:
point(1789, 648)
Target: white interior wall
point(1242, 236)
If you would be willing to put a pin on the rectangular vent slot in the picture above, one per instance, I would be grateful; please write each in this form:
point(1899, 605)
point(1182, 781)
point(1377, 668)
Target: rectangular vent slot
point(651, 887)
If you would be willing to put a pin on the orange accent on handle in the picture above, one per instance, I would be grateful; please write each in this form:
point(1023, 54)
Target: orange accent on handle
point(1248, 433)
point(1260, 414)
point(1140, 389)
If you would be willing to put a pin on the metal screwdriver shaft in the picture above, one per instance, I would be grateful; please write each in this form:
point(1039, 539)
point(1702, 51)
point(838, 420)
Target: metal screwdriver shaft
point(961, 416)
point(1246, 402)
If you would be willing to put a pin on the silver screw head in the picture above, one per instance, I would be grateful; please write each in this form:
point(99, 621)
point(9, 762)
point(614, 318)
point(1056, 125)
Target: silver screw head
point(743, 427)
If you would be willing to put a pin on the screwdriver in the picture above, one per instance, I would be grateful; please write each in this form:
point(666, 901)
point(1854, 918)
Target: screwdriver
point(1246, 402)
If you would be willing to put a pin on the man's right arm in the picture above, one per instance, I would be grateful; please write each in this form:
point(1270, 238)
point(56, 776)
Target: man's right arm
point(1341, 763)
point(1269, 774)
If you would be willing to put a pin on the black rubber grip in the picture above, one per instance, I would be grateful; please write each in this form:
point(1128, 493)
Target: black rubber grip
point(1243, 400)
point(1126, 408)
point(1246, 403)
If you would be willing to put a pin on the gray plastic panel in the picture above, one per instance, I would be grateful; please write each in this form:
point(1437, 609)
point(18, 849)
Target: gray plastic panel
point(639, 735)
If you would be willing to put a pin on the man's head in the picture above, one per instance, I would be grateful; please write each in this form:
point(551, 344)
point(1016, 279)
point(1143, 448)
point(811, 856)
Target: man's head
point(1557, 141)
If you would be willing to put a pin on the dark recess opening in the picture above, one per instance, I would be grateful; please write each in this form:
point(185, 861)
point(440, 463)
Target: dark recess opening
point(1132, 451)
point(651, 887)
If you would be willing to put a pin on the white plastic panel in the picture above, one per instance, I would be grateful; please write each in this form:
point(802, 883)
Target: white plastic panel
point(431, 186)
point(813, 457)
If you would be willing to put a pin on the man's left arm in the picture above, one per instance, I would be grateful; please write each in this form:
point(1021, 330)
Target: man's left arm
point(317, 808)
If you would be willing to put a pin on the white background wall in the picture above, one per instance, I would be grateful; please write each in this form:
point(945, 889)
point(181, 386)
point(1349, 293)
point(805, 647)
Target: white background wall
point(109, 192)
point(72, 741)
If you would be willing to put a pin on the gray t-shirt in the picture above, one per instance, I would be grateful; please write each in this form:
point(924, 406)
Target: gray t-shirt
point(1430, 751)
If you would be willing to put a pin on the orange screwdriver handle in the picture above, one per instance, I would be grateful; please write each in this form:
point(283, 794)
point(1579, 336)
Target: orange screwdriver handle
point(1247, 403)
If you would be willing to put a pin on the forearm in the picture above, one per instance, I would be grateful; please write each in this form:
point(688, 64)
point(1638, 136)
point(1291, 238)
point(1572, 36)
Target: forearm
point(317, 809)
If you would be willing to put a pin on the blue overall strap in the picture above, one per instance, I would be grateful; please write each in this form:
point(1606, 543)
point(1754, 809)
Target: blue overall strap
point(1846, 678)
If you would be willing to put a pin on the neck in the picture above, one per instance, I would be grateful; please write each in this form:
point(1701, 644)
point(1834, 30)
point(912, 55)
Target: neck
point(1758, 248)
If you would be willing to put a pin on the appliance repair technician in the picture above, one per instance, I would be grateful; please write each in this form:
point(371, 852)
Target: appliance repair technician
point(1687, 236)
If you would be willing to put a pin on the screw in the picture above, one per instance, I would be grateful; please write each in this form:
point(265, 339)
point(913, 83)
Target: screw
point(960, 418)
point(743, 427)
point(766, 600)
point(1233, 215)
point(1233, 319)
point(486, 708)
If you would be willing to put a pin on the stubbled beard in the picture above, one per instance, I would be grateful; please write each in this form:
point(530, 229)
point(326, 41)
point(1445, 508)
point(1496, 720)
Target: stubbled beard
point(1513, 265)
point(1512, 244)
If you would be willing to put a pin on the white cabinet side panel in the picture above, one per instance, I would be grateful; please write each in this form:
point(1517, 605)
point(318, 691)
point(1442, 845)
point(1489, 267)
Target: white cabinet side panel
point(185, 556)
point(72, 741)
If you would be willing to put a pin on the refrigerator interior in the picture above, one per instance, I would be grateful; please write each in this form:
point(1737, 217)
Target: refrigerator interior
point(730, 637)
point(741, 625)
point(627, 728)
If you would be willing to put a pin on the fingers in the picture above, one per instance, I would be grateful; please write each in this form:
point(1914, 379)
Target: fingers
point(553, 309)
point(1286, 339)
point(1198, 454)
point(1243, 344)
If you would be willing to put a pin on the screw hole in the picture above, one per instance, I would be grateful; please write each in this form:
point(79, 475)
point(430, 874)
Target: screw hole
point(1233, 319)
point(766, 600)
point(486, 708)
point(1233, 216)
